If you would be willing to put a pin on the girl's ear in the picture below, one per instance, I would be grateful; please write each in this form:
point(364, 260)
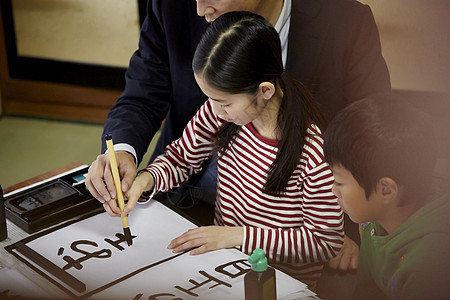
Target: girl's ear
point(267, 90)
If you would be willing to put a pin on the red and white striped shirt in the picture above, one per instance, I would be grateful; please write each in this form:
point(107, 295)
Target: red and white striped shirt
point(298, 230)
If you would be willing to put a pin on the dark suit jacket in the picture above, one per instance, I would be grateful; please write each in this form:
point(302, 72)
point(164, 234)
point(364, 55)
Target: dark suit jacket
point(334, 49)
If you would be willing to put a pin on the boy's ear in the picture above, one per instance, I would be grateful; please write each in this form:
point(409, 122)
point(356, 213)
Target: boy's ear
point(267, 89)
point(388, 189)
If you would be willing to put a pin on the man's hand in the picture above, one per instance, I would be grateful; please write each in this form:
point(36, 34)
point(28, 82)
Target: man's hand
point(208, 238)
point(100, 181)
point(347, 258)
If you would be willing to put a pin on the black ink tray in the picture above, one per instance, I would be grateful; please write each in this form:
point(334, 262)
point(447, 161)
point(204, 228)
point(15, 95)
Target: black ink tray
point(50, 203)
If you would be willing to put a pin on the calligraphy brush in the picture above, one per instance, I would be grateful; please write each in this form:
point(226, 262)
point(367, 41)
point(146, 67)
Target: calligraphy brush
point(115, 171)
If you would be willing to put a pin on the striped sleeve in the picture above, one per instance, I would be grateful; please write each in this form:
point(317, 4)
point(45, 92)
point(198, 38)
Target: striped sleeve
point(184, 157)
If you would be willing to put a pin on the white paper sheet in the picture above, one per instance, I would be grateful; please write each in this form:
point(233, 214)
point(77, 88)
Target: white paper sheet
point(92, 253)
point(214, 275)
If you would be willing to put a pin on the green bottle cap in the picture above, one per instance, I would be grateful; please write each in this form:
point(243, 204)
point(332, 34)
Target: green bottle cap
point(258, 260)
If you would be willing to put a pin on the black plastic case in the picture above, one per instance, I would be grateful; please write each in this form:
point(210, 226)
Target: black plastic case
point(51, 203)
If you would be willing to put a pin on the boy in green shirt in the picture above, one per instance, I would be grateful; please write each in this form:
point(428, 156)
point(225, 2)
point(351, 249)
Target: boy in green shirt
point(382, 153)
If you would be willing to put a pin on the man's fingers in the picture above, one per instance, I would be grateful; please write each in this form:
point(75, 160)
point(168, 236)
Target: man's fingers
point(92, 189)
point(127, 169)
point(108, 209)
point(114, 207)
point(101, 185)
point(94, 180)
point(109, 182)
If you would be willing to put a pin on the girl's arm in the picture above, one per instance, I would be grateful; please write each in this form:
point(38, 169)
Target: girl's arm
point(183, 158)
point(319, 239)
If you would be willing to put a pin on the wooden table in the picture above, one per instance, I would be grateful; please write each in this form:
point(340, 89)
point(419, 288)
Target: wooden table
point(42, 177)
point(16, 235)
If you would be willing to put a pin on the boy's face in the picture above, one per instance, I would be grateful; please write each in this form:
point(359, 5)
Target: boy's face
point(212, 9)
point(352, 197)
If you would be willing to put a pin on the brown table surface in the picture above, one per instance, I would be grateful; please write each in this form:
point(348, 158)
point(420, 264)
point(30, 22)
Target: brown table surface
point(42, 177)
point(16, 234)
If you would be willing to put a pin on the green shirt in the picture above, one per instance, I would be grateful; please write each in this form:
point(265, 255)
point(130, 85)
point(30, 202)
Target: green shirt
point(410, 263)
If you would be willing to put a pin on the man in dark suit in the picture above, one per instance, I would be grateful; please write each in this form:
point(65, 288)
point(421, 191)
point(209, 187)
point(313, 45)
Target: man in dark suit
point(332, 46)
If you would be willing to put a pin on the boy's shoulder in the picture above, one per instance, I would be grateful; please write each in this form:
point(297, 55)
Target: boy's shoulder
point(430, 222)
point(415, 258)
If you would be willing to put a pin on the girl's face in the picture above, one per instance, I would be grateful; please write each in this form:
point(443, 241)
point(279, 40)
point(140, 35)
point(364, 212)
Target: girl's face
point(240, 109)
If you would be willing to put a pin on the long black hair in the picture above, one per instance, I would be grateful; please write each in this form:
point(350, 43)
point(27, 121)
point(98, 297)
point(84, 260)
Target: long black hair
point(238, 52)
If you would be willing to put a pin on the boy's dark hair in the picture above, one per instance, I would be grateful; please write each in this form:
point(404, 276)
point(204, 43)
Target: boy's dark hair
point(238, 52)
point(384, 136)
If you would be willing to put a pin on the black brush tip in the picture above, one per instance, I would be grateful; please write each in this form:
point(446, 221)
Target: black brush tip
point(127, 235)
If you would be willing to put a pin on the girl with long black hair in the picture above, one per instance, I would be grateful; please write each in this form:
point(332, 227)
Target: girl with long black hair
point(274, 186)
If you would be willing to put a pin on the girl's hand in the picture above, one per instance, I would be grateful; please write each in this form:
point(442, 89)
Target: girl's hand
point(207, 238)
point(143, 182)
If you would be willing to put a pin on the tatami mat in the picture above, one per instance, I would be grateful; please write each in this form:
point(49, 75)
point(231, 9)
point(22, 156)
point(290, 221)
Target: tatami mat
point(30, 146)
